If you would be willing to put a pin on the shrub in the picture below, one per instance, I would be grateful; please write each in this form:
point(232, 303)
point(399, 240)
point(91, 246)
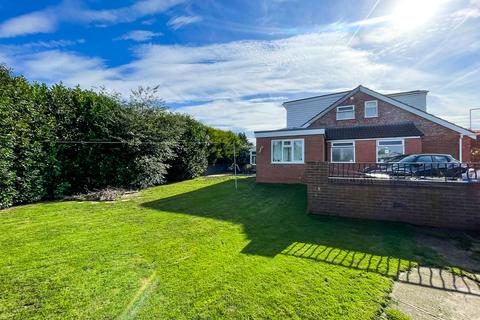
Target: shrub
point(57, 141)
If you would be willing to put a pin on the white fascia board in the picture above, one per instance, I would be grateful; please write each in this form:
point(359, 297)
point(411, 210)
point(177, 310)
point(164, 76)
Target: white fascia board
point(288, 133)
point(377, 139)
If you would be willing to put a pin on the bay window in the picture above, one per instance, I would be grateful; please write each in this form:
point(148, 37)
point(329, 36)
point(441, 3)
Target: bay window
point(343, 152)
point(387, 149)
point(288, 151)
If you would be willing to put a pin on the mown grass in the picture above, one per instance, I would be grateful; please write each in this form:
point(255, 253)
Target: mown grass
point(197, 250)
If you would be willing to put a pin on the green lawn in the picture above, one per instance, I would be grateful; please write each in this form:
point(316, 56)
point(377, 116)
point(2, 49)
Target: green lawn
point(197, 250)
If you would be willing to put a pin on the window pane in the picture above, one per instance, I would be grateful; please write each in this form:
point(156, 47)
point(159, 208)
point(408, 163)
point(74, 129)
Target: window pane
point(298, 151)
point(342, 154)
point(390, 142)
point(344, 115)
point(371, 111)
point(386, 152)
point(424, 159)
point(277, 151)
point(440, 159)
point(343, 144)
point(287, 153)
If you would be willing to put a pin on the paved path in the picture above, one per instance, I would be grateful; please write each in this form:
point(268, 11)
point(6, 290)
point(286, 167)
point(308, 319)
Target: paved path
point(431, 293)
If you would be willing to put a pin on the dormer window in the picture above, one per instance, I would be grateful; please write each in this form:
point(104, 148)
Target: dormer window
point(346, 112)
point(371, 109)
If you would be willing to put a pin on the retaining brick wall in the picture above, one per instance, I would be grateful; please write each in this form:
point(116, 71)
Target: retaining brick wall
point(450, 205)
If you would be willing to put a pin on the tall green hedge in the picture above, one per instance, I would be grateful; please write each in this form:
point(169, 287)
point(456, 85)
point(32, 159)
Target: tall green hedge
point(56, 141)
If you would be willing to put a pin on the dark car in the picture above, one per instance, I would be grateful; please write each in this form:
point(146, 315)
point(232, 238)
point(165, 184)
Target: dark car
point(428, 165)
point(384, 166)
point(395, 159)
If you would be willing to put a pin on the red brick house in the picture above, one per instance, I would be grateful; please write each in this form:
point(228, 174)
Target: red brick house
point(360, 125)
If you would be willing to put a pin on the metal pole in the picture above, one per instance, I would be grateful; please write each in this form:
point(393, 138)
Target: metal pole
point(472, 109)
point(235, 164)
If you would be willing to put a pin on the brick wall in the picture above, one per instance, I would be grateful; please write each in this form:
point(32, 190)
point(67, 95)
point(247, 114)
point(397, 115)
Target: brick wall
point(413, 145)
point(437, 139)
point(366, 151)
point(287, 173)
point(475, 153)
point(453, 205)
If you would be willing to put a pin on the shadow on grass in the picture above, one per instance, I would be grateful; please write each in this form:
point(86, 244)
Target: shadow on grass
point(275, 220)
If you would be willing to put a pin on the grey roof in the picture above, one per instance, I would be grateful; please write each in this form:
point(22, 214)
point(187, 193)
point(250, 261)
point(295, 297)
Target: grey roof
point(298, 111)
point(401, 129)
point(287, 129)
point(403, 93)
point(341, 93)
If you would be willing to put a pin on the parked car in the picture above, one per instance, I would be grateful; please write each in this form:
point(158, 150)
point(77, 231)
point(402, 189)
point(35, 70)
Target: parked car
point(395, 159)
point(385, 166)
point(422, 165)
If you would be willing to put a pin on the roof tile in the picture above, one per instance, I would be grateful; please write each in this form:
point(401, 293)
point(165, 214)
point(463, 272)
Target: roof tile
point(401, 129)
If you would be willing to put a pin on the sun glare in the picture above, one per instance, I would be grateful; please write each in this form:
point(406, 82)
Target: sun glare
point(411, 14)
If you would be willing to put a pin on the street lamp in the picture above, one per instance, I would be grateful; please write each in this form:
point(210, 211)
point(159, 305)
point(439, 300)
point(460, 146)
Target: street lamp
point(471, 116)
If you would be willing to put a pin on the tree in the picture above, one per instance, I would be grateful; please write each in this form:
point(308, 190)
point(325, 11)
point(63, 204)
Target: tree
point(191, 158)
point(55, 141)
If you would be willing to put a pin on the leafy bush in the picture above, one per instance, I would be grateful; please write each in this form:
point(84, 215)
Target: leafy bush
point(221, 147)
point(191, 152)
point(57, 141)
point(25, 130)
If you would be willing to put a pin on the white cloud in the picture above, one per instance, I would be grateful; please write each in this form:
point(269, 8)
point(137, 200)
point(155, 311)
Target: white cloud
point(139, 35)
point(148, 22)
point(5, 60)
point(234, 113)
point(53, 43)
point(129, 13)
point(67, 67)
point(181, 21)
point(46, 21)
point(473, 11)
point(36, 22)
point(222, 74)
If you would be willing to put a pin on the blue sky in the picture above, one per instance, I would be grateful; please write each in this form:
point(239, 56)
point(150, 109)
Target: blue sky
point(231, 63)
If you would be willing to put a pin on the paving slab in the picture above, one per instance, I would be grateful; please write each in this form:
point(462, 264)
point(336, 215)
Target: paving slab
point(432, 293)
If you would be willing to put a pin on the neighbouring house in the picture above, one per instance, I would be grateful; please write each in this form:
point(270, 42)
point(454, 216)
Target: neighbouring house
point(360, 125)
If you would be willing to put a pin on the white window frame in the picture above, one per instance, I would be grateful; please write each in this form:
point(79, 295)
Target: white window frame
point(292, 141)
point(342, 141)
point(376, 109)
point(253, 154)
point(350, 106)
point(392, 139)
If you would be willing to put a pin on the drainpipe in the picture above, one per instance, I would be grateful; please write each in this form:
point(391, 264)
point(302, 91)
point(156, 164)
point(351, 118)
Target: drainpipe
point(460, 148)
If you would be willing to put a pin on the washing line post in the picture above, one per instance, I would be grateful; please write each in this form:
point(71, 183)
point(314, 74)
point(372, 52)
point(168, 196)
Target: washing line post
point(235, 164)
